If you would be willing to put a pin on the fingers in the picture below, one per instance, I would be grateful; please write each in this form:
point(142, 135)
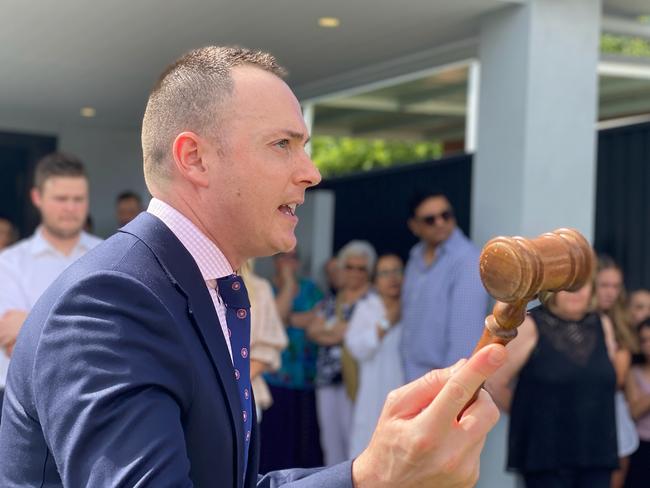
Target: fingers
point(410, 399)
point(460, 387)
point(480, 417)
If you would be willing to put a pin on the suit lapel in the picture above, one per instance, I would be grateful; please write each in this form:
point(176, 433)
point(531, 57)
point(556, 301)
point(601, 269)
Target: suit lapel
point(182, 270)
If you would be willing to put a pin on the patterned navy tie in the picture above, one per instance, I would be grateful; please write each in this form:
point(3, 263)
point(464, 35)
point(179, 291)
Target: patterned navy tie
point(235, 297)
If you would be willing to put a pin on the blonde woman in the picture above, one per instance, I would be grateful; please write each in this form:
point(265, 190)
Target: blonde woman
point(609, 299)
point(638, 307)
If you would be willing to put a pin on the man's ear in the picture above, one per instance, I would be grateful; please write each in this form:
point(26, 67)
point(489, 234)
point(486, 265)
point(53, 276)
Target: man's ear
point(189, 151)
point(413, 226)
point(35, 195)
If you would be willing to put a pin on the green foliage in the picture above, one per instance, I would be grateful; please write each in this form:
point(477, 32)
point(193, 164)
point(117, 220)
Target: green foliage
point(339, 155)
point(624, 45)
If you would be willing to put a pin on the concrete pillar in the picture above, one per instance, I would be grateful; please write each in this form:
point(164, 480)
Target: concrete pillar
point(315, 232)
point(534, 167)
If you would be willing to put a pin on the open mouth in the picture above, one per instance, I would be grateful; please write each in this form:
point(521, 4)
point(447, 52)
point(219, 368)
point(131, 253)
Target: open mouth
point(288, 209)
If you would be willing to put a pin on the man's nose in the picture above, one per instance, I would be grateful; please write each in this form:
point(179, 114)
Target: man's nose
point(310, 174)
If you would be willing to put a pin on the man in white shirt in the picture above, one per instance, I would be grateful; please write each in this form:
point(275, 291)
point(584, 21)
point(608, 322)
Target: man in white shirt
point(28, 267)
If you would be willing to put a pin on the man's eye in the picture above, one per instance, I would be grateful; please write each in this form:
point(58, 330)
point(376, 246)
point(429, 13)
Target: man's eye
point(284, 143)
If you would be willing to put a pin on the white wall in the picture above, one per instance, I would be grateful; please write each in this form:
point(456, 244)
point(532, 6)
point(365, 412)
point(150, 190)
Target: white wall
point(113, 159)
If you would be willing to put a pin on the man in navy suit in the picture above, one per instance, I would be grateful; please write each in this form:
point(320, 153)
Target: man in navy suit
point(126, 372)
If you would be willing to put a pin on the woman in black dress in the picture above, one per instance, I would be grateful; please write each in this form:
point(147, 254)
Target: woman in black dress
point(558, 386)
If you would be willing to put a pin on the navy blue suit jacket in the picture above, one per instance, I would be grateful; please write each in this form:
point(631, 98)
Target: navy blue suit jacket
point(121, 376)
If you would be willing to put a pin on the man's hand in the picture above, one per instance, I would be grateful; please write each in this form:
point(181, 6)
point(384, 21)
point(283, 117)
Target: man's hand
point(10, 323)
point(419, 443)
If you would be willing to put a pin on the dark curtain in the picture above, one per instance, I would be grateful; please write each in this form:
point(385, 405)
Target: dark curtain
point(622, 201)
point(18, 156)
point(374, 205)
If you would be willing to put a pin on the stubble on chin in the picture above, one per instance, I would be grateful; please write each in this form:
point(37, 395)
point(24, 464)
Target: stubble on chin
point(61, 233)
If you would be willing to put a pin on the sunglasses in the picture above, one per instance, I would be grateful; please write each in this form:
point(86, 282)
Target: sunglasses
point(351, 267)
point(432, 219)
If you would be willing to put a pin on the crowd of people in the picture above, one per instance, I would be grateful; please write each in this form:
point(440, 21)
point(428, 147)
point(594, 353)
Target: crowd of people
point(29, 266)
point(365, 335)
point(320, 362)
point(576, 385)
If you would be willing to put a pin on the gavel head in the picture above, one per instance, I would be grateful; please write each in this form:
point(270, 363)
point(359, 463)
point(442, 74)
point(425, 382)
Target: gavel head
point(514, 269)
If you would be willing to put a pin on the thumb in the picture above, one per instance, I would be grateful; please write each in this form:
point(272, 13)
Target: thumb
point(463, 384)
point(412, 398)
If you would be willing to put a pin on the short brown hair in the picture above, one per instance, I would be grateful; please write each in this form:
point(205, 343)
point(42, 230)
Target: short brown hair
point(57, 164)
point(187, 97)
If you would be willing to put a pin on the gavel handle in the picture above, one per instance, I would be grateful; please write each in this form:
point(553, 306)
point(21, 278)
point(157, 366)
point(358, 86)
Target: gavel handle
point(500, 328)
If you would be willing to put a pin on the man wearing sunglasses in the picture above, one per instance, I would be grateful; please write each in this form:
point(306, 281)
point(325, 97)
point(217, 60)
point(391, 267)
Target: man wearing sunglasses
point(444, 302)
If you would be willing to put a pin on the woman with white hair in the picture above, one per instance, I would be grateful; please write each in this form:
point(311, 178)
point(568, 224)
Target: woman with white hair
point(334, 405)
point(373, 338)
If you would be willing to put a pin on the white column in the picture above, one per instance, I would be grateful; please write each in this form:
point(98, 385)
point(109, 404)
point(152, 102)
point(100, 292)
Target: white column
point(316, 230)
point(308, 114)
point(534, 166)
point(471, 119)
point(534, 169)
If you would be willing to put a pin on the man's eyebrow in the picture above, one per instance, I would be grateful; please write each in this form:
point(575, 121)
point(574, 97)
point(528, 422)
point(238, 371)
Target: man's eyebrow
point(296, 135)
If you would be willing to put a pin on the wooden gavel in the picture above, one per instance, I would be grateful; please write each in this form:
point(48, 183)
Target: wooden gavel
point(515, 270)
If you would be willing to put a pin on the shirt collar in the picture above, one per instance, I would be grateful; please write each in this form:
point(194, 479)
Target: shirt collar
point(444, 247)
point(86, 241)
point(208, 257)
point(450, 242)
point(40, 244)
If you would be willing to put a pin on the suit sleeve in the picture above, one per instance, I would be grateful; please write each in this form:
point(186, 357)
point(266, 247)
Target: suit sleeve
point(110, 383)
point(337, 476)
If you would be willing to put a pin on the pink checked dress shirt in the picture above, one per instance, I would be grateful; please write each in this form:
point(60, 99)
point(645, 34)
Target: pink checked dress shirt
point(210, 260)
